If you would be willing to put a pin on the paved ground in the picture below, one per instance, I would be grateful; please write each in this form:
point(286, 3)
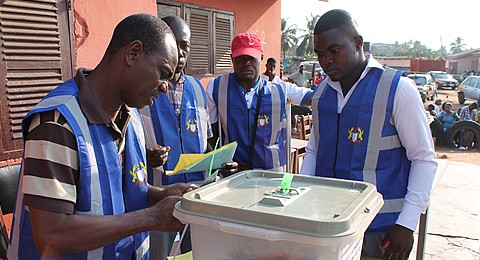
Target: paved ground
point(454, 213)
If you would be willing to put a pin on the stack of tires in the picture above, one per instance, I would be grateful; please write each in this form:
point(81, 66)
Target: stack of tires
point(450, 138)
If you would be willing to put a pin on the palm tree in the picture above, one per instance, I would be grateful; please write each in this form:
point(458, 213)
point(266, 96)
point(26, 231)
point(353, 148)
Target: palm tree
point(418, 50)
point(289, 39)
point(457, 46)
point(306, 45)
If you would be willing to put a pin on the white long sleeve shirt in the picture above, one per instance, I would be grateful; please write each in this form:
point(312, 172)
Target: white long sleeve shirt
point(417, 142)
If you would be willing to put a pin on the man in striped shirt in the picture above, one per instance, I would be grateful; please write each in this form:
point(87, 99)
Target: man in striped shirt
point(466, 113)
point(83, 191)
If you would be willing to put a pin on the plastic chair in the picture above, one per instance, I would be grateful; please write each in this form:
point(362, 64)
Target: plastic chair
point(8, 192)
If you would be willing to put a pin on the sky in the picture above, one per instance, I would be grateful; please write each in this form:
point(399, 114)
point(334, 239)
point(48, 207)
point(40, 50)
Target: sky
point(432, 22)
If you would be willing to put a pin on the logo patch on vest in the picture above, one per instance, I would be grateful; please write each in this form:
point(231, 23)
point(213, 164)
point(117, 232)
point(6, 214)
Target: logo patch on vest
point(355, 135)
point(139, 174)
point(262, 120)
point(192, 126)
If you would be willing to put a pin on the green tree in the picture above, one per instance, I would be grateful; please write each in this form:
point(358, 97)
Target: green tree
point(402, 49)
point(305, 48)
point(289, 39)
point(418, 50)
point(457, 46)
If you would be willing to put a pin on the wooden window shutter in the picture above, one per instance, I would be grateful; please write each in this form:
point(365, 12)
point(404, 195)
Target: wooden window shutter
point(35, 59)
point(223, 31)
point(201, 44)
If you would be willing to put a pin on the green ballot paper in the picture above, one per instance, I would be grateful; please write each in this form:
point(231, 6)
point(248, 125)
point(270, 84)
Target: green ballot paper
point(201, 162)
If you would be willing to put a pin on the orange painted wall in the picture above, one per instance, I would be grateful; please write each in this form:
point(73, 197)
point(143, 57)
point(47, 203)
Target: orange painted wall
point(94, 24)
point(260, 17)
point(95, 21)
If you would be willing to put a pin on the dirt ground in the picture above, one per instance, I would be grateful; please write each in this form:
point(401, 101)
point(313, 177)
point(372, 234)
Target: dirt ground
point(468, 156)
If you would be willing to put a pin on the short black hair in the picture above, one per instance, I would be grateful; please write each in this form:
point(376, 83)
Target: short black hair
point(173, 19)
point(271, 59)
point(336, 19)
point(147, 28)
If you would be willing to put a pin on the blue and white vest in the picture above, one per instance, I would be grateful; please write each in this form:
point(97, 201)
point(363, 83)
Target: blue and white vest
point(236, 121)
point(361, 143)
point(187, 136)
point(104, 188)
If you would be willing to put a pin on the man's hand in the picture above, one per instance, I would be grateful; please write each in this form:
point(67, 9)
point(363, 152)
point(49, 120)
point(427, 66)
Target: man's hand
point(228, 169)
point(157, 156)
point(398, 243)
point(162, 212)
point(242, 166)
point(178, 189)
point(165, 200)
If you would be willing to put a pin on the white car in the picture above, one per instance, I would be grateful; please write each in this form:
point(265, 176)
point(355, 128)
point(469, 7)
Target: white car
point(443, 79)
point(469, 89)
point(425, 85)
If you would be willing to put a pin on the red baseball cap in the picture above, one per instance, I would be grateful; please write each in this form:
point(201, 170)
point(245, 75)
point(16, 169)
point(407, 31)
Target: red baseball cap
point(247, 44)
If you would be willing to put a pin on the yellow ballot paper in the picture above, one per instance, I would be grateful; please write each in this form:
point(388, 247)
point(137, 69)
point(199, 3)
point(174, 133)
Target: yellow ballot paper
point(195, 162)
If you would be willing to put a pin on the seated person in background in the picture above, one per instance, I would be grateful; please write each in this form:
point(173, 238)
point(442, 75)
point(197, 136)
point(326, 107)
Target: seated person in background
point(447, 116)
point(437, 105)
point(432, 111)
point(466, 113)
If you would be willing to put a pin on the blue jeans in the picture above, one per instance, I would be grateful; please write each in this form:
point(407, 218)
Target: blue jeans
point(461, 137)
point(371, 246)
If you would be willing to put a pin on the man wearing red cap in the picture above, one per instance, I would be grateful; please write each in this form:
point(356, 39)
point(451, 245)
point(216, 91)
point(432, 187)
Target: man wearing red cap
point(251, 111)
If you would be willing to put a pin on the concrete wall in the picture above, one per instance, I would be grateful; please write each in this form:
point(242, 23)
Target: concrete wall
point(94, 24)
point(395, 62)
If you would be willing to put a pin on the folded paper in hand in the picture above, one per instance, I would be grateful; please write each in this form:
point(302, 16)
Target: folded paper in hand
point(194, 162)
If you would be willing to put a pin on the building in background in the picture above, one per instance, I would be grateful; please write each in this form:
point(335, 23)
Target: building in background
point(464, 62)
point(43, 42)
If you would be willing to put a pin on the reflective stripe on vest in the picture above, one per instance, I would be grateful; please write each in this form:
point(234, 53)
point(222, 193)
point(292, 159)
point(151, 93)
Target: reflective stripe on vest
point(276, 128)
point(315, 98)
point(150, 132)
point(222, 107)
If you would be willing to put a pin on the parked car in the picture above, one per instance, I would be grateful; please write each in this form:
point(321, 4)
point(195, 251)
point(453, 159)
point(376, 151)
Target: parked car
point(425, 85)
point(443, 79)
point(469, 89)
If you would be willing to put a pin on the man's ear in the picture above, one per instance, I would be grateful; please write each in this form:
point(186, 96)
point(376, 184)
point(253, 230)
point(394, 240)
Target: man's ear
point(358, 42)
point(134, 50)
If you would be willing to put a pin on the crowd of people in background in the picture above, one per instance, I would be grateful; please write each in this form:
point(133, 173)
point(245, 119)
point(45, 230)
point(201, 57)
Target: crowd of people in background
point(447, 116)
